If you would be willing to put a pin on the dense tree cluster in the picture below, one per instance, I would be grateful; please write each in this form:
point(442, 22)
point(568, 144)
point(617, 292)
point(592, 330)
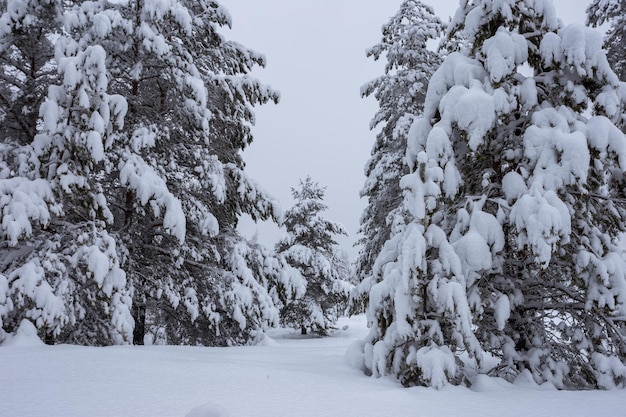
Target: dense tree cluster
point(122, 179)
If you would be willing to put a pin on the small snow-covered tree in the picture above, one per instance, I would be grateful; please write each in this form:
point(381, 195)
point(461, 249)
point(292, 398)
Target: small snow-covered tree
point(308, 246)
point(400, 94)
point(512, 239)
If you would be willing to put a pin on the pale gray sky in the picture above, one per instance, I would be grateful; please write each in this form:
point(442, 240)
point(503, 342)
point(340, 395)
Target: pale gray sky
point(316, 58)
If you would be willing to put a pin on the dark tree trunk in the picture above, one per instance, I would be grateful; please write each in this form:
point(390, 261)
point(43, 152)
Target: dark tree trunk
point(139, 314)
point(49, 339)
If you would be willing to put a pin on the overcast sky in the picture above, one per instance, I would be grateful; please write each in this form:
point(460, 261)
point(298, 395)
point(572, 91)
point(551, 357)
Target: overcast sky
point(315, 54)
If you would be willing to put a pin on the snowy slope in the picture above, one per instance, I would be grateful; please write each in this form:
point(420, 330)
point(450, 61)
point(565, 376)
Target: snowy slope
point(283, 376)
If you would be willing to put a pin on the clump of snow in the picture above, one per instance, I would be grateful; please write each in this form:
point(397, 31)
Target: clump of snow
point(482, 240)
point(513, 186)
point(25, 336)
point(582, 48)
point(208, 410)
point(435, 362)
point(456, 70)
point(609, 367)
point(148, 339)
point(605, 137)
point(474, 252)
point(543, 221)
point(502, 311)
point(528, 94)
point(137, 175)
point(23, 202)
point(559, 155)
point(504, 53)
point(472, 109)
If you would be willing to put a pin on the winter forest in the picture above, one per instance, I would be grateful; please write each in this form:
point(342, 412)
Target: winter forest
point(490, 256)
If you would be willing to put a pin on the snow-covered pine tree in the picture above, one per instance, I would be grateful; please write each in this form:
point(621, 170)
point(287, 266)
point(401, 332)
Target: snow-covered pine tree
point(61, 267)
point(225, 67)
point(562, 279)
point(612, 12)
point(512, 246)
point(400, 94)
point(27, 31)
point(309, 246)
point(179, 184)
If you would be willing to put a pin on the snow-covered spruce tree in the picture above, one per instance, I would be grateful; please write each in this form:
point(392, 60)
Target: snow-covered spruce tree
point(308, 246)
point(60, 266)
point(178, 184)
point(512, 245)
point(400, 94)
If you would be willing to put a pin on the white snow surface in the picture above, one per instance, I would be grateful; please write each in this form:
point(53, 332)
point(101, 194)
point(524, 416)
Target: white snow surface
point(293, 377)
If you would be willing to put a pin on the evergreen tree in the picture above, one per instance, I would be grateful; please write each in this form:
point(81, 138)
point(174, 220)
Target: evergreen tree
point(181, 185)
point(612, 12)
point(27, 30)
point(511, 245)
point(308, 246)
point(61, 266)
point(400, 95)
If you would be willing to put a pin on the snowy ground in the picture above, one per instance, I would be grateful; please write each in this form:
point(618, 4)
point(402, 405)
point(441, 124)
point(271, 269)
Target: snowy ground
point(286, 376)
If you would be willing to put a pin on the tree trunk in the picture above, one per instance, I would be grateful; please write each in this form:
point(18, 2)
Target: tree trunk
point(139, 314)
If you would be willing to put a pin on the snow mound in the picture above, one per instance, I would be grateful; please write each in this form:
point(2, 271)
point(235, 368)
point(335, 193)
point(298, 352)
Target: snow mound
point(262, 339)
point(25, 336)
point(485, 383)
point(208, 410)
point(354, 356)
